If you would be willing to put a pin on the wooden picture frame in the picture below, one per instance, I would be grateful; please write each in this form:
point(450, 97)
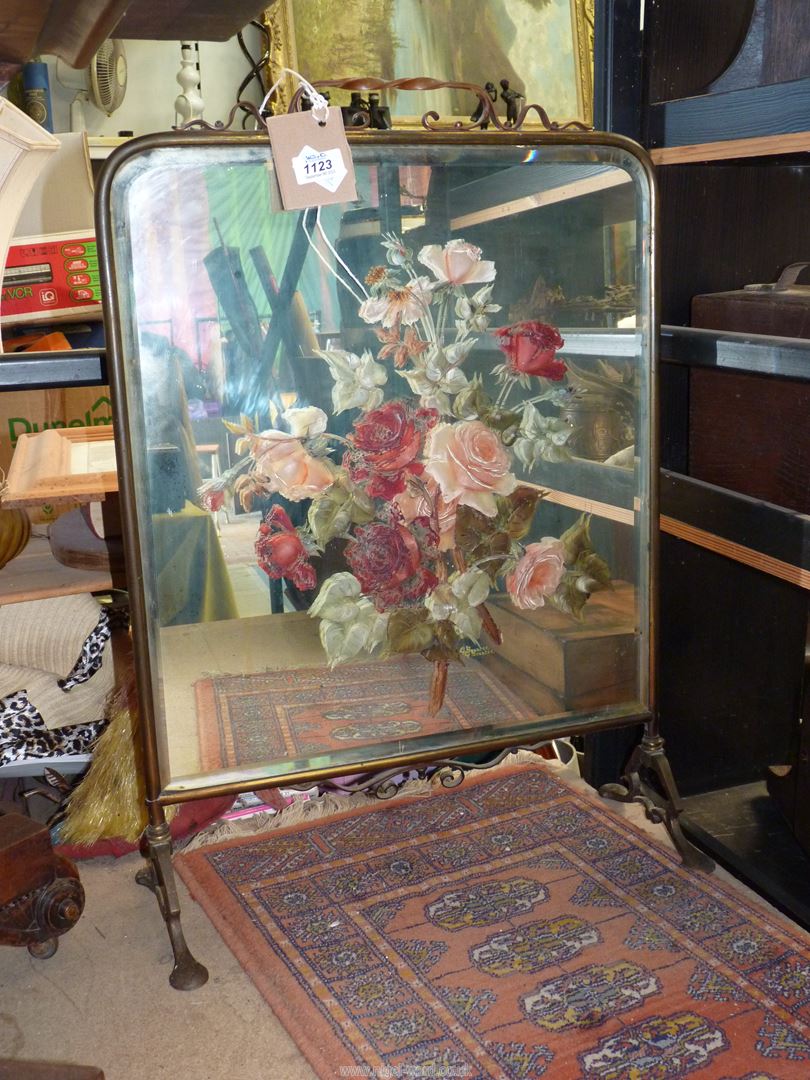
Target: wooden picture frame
point(565, 91)
point(62, 465)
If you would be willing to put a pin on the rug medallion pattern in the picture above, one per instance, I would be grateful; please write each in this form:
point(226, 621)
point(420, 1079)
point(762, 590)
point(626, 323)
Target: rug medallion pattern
point(511, 928)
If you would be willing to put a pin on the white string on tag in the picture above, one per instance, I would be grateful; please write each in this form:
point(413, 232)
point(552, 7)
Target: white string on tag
point(325, 261)
point(320, 106)
point(328, 242)
point(320, 113)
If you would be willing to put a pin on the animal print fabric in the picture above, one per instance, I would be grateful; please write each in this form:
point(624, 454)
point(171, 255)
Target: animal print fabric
point(23, 733)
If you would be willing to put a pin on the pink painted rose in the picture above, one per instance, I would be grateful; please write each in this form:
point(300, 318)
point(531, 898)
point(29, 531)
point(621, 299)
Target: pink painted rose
point(538, 573)
point(470, 464)
point(531, 349)
point(280, 551)
point(413, 504)
point(288, 467)
point(457, 263)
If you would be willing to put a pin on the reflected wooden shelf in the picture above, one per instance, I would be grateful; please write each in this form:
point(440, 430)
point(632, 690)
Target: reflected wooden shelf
point(35, 575)
point(101, 146)
point(483, 199)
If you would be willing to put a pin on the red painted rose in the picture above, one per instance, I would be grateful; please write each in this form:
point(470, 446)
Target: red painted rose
point(281, 552)
point(386, 443)
point(212, 500)
point(531, 349)
point(387, 562)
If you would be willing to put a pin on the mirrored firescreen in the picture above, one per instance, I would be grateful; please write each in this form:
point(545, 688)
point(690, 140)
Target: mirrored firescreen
point(391, 457)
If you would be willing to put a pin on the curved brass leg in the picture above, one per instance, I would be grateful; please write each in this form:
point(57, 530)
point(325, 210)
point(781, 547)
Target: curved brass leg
point(158, 875)
point(662, 808)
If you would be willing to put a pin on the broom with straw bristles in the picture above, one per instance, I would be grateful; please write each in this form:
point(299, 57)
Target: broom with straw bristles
point(110, 802)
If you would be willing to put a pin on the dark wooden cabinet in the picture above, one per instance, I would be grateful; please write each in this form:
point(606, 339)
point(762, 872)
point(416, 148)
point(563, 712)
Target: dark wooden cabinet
point(721, 97)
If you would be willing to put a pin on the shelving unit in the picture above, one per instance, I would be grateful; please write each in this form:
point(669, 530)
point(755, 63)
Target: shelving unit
point(75, 31)
point(733, 149)
point(52, 370)
point(35, 573)
point(724, 110)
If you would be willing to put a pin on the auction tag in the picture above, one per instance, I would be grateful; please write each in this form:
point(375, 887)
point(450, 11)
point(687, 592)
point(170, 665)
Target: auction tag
point(313, 162)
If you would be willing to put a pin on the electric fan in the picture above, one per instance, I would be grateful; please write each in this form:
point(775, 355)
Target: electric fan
point(103, 82)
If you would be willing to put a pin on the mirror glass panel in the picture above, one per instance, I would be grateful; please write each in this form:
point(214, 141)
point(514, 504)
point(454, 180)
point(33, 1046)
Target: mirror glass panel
point(392, 457)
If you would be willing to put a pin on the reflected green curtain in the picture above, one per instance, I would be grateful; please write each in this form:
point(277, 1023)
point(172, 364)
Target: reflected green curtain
point(240, 203)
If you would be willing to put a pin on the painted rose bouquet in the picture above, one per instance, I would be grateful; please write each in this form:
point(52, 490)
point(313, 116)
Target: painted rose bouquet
point(422, 491)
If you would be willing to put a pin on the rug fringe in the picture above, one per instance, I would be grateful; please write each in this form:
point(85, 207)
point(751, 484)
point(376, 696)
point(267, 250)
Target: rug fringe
point(332, 805)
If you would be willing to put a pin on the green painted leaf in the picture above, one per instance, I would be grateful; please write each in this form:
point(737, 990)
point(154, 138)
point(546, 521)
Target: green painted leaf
point(568, 597)
point(516, 511)
point(335, 510)
point(472, 402)
point(442, 652)
point(330, 515)
point(498, 544)
point(409, 630)
point(472, 526)
point(577, 539)
point(481, 538)
point(500, 419)
point(594, 570)
point(445, 633)
point(446, 645)
point(362, 508)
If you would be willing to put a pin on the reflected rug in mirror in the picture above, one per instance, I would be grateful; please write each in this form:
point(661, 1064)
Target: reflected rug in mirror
point(513, 927)
point(300, 712)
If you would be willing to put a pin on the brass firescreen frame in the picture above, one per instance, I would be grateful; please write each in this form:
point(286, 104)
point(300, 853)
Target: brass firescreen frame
point(647, 760)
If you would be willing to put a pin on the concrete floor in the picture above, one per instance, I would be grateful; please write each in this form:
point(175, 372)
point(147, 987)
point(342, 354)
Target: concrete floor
point(104, 999)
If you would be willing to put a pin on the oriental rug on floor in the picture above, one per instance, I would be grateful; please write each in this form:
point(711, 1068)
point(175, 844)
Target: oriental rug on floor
point(512, 927)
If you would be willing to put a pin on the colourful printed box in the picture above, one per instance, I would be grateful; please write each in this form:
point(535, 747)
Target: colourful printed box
point(51, 278)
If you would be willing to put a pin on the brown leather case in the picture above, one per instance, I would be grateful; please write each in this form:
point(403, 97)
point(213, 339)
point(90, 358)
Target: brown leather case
point(749, 432)
point(781, 309)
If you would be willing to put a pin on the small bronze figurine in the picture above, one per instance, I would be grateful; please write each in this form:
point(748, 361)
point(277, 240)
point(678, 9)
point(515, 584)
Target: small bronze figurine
point(380, 114)
point(511, 97)
point(356, 112)
point(492, 92)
